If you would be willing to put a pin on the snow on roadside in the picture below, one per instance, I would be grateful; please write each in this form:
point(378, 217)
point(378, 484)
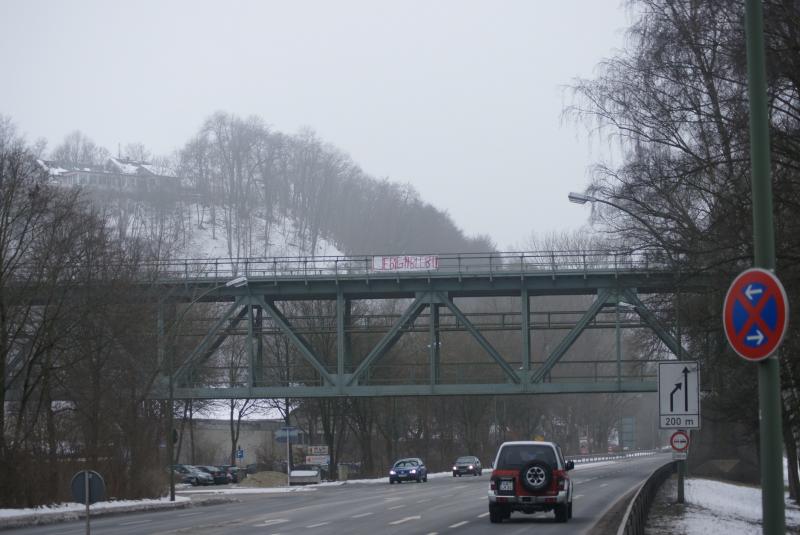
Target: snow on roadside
point(717, 508)
point(73, 510)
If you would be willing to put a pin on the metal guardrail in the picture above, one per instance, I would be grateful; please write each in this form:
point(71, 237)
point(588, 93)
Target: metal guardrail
point(597, 457)
point(635, 518)
point(463, 264)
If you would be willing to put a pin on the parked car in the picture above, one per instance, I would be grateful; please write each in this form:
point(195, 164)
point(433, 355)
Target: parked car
point(220, 476)
point(468, 464)
point(305, 474)
point(410, 469)
point(236, 474)
point(188, 474)
point(530, 477)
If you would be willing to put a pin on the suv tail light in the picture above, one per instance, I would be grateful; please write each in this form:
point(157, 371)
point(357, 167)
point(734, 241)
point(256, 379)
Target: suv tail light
point(492, 486)
point(560, 476)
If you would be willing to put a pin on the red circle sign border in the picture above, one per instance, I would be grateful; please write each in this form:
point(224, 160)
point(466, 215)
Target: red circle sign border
point(675, 434)
point(767, 278)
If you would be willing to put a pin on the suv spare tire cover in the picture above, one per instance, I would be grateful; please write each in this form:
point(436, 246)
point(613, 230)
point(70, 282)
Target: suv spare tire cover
point(536, 475)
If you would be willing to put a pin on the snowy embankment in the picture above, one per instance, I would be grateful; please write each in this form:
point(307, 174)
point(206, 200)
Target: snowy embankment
point(715, 508)
point(10, 518)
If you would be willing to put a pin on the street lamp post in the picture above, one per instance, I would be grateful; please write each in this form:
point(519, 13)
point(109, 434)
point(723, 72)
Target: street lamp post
point(233, 283)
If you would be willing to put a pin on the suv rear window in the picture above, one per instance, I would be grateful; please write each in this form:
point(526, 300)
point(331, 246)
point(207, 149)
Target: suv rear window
point(518, 455)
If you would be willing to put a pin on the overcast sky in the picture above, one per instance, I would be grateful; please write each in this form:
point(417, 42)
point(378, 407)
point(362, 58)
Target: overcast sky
point(461, 99)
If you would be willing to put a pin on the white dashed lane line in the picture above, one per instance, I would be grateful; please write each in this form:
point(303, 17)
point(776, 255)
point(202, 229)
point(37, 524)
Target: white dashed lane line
point(396, 507)
point(406, 519)
point(318, 525)
point(271, 522)
point(458, 524)
point(483, 515)
point(362, 515)
point(133, 522)
point(577, 496)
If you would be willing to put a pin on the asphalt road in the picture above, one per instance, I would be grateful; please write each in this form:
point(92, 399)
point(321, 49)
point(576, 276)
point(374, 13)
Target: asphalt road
point(442, 505)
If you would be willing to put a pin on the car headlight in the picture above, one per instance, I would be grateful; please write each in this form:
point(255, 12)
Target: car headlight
point(471, 467)
point(455, 468)
point(392, 472)
point(413, 471)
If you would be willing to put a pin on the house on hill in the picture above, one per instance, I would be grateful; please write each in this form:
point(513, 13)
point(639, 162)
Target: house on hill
point(115, 174)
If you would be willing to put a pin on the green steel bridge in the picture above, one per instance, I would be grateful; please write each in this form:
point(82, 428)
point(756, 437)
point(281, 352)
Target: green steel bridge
point(451, 324)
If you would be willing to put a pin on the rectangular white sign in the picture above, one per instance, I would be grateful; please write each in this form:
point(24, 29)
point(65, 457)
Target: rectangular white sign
point(679, 395)
point(679, 455)
point(405, 263)
point(323, 460)
point(318, 450)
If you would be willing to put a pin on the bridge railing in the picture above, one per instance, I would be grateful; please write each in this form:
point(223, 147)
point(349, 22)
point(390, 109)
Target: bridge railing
point(463, 264)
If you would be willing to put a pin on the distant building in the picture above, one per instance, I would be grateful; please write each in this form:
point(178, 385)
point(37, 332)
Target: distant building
point(116, 174)
point(256, 440)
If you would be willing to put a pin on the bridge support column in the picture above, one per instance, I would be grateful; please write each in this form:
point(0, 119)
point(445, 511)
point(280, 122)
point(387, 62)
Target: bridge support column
point(434, 343)
point(525, 323)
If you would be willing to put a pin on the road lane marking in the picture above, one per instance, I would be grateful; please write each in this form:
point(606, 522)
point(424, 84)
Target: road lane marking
point(271, 522)
point(421, 501)
point(577, 496)
point(458, 524)
point(132, 522)
point(190, 514)
point(604, 485)
point(433, 533)
point(460, 487)
point(483, 515)
point(396, 507)
point(362, 515)
point(318, 525)
point(406, 519)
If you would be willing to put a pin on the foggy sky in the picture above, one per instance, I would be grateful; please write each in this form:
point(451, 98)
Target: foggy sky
point(461, 99)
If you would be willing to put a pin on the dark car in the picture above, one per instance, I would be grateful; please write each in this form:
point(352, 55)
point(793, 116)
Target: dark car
point(220, 476)
point(188, 474)
point(467, 464)
point(236, 473)
point(410, 469)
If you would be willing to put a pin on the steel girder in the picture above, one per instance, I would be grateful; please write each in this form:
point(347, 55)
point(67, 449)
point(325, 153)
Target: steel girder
point(424, 292)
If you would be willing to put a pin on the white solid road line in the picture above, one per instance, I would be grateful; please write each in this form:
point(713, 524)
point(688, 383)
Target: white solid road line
point(362, 515)
point(190, 514)
point(396, 507)
point(132, 522)
point(458, 524)
point(577, 496)
point(406, 519)
point(483, 515)
point(318, 525)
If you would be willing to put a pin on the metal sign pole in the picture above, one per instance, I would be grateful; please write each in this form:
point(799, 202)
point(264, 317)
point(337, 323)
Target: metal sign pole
point(288, 458)
point(86, 490)
point(764, 251)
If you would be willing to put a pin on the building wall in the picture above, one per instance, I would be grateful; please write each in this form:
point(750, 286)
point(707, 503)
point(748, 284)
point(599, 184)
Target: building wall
point(213, 442)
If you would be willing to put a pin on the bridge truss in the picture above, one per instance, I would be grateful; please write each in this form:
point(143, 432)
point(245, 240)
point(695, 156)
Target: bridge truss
point(336, 326)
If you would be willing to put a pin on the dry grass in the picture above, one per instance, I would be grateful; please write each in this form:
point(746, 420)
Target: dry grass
point(265, 479)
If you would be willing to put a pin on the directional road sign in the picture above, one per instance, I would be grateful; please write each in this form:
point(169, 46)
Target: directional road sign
point(679, 394)
point(679, 441)
point(755, 314)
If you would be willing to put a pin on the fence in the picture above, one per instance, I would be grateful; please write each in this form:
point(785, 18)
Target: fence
point(636, 515)
point(597, 457)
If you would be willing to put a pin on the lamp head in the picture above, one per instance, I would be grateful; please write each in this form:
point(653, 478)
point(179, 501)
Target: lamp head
point(579, 198)
point(237, 282)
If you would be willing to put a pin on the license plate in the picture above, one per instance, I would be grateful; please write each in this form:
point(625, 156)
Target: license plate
point(507, 485)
